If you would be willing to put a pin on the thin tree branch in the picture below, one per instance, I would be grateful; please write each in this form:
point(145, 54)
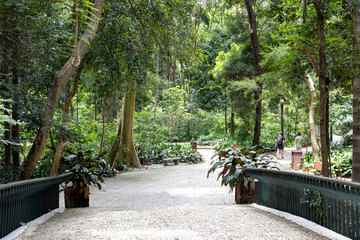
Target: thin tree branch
point(313, 63)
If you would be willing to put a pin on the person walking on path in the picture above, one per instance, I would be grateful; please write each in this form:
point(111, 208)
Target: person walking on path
point(298, 143)
point(280, 145)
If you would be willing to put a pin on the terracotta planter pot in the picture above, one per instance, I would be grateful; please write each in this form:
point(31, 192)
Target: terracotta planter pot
point(77, 196)
point(244, 195)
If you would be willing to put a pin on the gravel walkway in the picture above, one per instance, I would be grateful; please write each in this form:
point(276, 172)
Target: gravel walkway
point(174, 202)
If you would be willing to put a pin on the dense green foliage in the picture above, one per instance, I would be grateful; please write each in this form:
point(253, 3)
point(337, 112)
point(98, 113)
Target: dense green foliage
point(341, 161)
point(154, 154)
point(9, 174)
point(191, 65)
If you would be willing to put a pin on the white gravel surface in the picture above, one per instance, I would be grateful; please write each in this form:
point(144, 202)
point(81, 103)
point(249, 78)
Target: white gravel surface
point(174, 202)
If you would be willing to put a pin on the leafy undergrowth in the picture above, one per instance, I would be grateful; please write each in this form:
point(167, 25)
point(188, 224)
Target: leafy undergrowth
point(230, 143)
point(341, 162)
point(154, 154)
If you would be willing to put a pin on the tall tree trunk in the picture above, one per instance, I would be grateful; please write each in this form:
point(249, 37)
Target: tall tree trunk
point(301, 124)
point(304, 3)
point(15, 129)
point(103, 130)
point(126, 140)
point(156, 88)
point(155, 103)
point(232, 125)
point(170, 127)
point(189, 111)
point(282, 116)
point(115, 146)
point(324, 91)
point(312, 112)
point(258, 71)
point(257, 127)
point(119, 107)
point(226, 126)
point(61, 78)
point(356, 106)
point(174, 71)
point(111, 110)
point(168, 65)
point(7, 136)
point(168, 60)
point(64, 116)
point(182, 78)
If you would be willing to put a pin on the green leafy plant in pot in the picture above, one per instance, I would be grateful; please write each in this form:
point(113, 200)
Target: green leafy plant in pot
point(87, 171)
point(232, 163)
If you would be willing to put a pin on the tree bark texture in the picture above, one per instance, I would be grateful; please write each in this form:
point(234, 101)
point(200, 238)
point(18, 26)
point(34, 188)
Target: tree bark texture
point(226, 123)
point(15, 129)
point(60, 80)
point(171, 65)
point(155, 103)
point(312, 113)
point(11, 55)
point(7, 136)
point(189, 111)
point(232, 125)
point(324, 91)
point(156, 88)
point(356, 106)
point(114, 147)
point(103, 130)
point(282, 116)
point(64, 116)
point(127, 150)
point(182, 78)
point(257, 127)
point(301, 124)
point(173, 71)
point(258, 71)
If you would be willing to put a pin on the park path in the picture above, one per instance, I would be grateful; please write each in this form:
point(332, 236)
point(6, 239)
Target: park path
point(174, 202)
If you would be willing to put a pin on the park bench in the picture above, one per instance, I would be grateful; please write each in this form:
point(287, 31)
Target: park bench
point(173, 160)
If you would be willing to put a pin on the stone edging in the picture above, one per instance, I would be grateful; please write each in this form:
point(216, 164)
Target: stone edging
point(303, 222)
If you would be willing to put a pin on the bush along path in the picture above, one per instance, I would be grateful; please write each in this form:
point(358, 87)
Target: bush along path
point(174, 202)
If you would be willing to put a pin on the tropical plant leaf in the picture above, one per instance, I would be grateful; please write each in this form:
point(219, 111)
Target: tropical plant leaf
point(94, 178)
point(252, 184)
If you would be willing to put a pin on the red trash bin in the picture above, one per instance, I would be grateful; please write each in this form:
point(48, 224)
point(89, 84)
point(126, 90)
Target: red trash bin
point(296, 157)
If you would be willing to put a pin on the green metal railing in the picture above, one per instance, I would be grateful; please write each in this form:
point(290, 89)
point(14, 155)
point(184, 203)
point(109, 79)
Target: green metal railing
point(23, 201)
point(332, 203)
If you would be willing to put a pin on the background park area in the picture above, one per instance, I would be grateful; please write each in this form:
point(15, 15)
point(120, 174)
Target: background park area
point(94, 89)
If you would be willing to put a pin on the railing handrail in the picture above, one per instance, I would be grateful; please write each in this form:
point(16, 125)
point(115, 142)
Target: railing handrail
point(304, 175)
point(60, 178)
point(24, 201)
point(333, 203)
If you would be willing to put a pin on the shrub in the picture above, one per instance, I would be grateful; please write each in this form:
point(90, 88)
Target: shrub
point(308, 164)
point(225, 143)
point(341, 161)
point(154, 154)
point(9, 174)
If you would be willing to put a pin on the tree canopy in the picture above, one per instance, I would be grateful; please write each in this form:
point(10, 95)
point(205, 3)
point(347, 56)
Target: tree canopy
point(115, 77)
